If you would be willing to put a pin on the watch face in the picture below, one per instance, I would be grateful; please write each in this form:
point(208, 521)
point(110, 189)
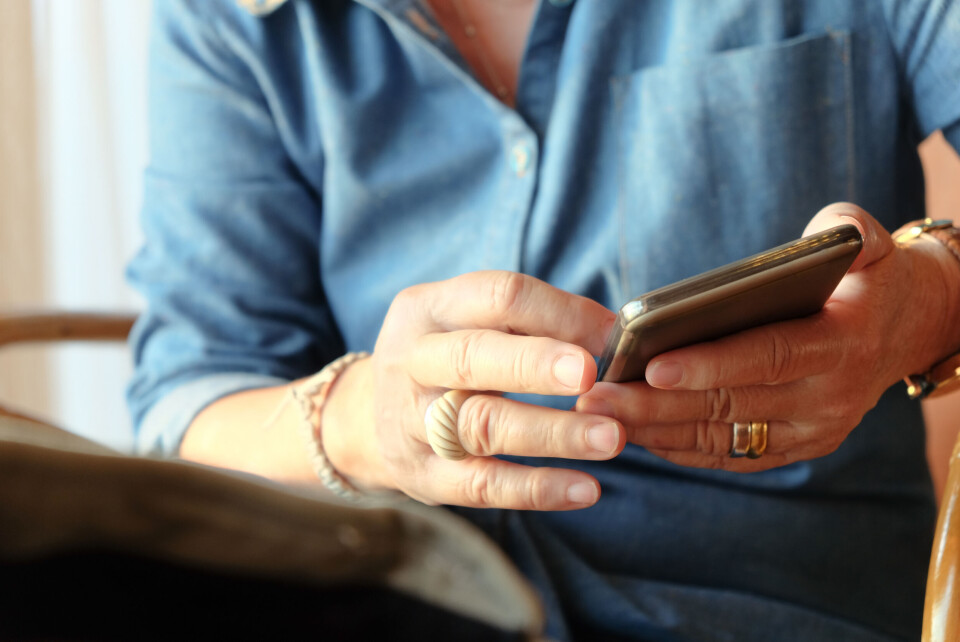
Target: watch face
point(914, 229)
point(940, 224)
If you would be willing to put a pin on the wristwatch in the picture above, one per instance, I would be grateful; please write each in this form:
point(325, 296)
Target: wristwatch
point(945, 375)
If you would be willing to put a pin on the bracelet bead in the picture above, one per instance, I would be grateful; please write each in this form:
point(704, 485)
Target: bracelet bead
point(311, 395)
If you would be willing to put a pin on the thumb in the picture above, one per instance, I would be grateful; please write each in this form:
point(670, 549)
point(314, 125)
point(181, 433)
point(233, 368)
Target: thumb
point(877, 242)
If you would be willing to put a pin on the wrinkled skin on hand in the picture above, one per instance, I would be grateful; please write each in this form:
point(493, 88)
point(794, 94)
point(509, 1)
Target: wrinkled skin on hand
point(489, 332)
point(813, 379)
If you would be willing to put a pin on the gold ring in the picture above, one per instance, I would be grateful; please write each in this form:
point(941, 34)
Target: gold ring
point(758, 439)
point(749, 439)
point(441, 422)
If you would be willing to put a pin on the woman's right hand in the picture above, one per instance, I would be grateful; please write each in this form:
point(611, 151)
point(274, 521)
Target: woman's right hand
point(490, 332)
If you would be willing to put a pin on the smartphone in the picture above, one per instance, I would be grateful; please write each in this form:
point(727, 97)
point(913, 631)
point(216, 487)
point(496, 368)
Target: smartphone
point(787, 282)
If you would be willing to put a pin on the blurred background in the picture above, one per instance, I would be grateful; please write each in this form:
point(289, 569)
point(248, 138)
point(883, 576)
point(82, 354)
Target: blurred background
point(73, 147)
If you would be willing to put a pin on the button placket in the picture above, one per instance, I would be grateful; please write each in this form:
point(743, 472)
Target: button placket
point(520, 151)
point(520, 158)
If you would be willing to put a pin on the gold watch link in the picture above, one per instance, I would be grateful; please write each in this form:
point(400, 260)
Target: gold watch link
point(945, 375)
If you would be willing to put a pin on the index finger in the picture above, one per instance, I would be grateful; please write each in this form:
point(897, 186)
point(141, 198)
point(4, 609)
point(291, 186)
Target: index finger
point(491, 360)
point(517, 304)
point(772, 354)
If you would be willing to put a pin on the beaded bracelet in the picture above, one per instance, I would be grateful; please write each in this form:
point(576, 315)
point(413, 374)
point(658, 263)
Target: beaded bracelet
point(311, 396)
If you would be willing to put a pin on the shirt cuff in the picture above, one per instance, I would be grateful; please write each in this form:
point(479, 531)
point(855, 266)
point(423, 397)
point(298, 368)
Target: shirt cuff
point(164, 425)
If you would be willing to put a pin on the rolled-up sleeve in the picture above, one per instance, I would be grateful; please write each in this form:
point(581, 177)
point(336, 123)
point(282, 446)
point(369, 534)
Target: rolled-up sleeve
point(925, 36)
point(230, 265)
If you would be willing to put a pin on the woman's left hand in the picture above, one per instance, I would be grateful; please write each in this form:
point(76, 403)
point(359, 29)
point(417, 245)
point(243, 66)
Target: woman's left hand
point(812, 379)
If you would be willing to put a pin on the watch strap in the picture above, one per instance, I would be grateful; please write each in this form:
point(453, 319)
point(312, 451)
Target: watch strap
point(945, 375)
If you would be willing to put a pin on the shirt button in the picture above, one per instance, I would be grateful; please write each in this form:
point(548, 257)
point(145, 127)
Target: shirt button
point(520, 159)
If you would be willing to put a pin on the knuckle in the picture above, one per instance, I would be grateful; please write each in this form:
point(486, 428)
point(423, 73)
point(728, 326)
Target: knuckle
point(462, 355)
point(539, 491)
point(506, 291)
point(407, 297)
point(526, 367)
point(708, 440)
point(476, 425)
point(407, 311)
point(720, 404)
point(476, 489)
point(401, 307)
point(519, 370)
point(782, 355)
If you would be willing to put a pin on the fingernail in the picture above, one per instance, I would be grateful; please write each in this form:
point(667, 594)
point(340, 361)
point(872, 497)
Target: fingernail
point(569, 371)
point(604, 438)
point(664, 373)
point(582, 493)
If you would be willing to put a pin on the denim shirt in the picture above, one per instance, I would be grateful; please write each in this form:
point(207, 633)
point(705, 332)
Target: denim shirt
point(309, 163)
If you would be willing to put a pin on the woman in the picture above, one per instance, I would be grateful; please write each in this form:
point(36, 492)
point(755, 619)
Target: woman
point(468, 188)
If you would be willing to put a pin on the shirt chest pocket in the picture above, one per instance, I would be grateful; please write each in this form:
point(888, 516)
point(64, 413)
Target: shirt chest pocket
point(729, 155)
